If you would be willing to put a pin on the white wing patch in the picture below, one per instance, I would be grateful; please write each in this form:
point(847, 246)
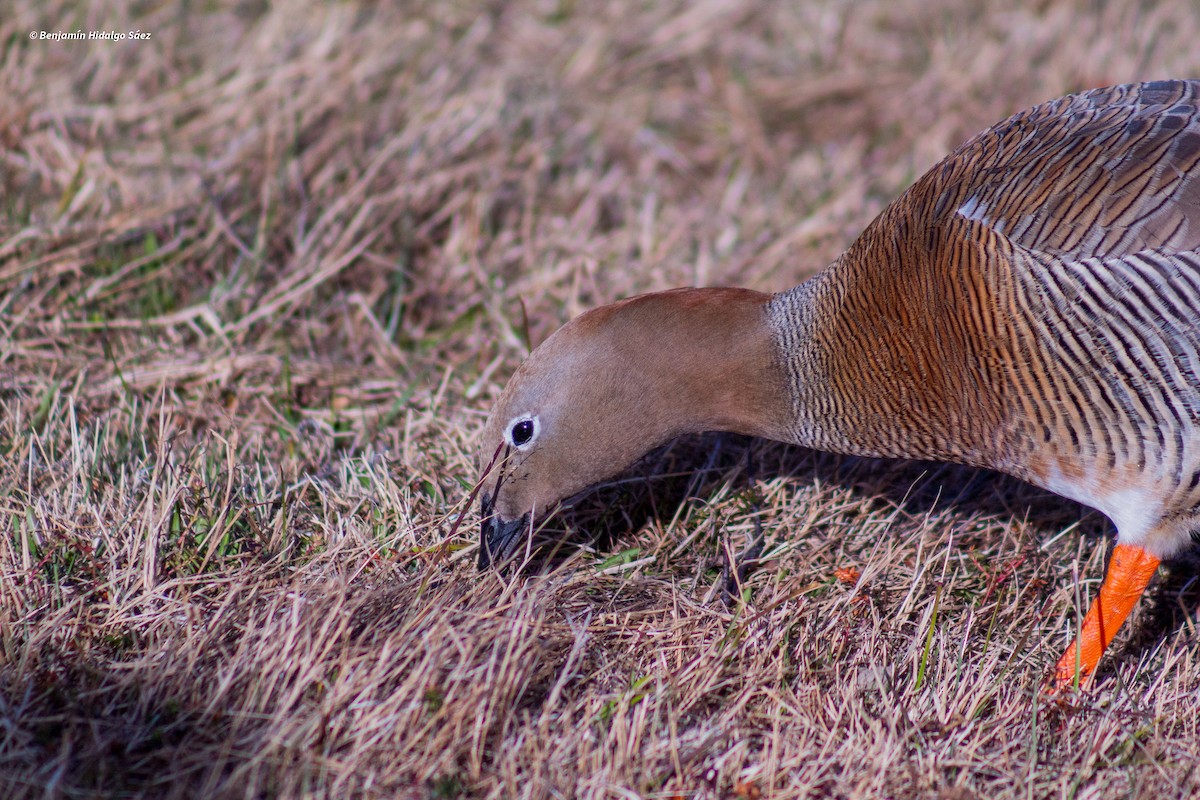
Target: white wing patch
point(974, 209)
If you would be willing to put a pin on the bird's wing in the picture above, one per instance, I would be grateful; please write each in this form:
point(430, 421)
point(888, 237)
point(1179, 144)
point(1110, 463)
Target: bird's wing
point(1102, 174)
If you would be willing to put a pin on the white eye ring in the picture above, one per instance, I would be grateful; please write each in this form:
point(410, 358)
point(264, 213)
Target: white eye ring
point(529, 426)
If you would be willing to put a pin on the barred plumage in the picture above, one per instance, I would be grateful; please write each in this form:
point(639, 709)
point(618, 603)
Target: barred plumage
point(1031, 304)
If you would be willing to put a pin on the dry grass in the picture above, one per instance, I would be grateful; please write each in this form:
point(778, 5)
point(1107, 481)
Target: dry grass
point(260, 278)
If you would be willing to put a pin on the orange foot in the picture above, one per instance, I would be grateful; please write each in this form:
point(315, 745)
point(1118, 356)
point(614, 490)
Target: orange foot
point(1130, 569)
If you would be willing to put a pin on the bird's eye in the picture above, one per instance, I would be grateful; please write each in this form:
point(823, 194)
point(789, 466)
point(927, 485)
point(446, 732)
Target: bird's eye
point(522, 431)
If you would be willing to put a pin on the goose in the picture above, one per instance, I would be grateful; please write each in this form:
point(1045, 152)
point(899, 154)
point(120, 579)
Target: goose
point(1030, 305)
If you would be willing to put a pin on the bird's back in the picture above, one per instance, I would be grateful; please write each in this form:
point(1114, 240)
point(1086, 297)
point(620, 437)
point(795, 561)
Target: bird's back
point(1032, 304)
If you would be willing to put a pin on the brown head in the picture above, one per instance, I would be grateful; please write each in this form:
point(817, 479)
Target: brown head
point(613, 384)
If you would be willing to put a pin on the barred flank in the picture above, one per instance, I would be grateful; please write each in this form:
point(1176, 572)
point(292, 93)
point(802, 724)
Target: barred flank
point(1032, 305)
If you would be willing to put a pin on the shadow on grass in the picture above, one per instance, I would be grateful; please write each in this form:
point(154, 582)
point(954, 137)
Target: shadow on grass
point(693, 469)
point(84, 737)
point(273, 699)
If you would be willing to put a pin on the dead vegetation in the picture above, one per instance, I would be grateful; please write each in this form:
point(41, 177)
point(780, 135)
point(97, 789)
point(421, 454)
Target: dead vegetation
point(260, 277)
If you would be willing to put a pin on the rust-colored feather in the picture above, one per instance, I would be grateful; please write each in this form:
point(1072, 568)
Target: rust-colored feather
point(1029, 305)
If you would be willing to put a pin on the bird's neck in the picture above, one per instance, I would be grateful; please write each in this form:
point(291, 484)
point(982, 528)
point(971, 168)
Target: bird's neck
point(874, 370)
point(828, 364)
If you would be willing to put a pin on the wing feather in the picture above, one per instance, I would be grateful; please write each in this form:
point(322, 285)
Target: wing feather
point(1104, 174)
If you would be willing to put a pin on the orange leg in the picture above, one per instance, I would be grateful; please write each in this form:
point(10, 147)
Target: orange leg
point(1130, 569)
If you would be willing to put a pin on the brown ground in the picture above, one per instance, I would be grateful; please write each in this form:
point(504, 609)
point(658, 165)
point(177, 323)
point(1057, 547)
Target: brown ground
point(260, 279)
